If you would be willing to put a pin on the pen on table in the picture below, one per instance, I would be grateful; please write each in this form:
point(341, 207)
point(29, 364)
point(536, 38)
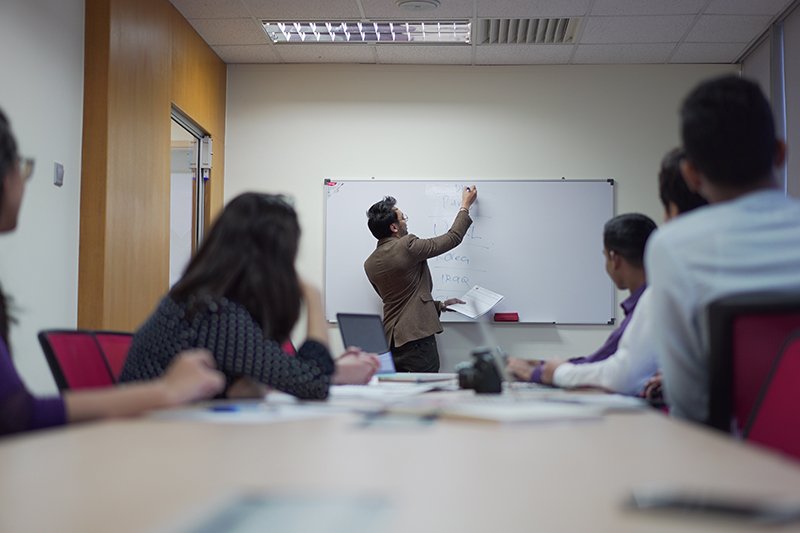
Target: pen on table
point(225, 408)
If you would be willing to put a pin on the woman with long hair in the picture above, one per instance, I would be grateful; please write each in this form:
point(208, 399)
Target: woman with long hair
point(240, 297)
point(190, 377)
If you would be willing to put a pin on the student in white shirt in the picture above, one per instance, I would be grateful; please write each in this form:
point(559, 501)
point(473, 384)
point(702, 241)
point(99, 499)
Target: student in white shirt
point(634, 362)
point(748, 240)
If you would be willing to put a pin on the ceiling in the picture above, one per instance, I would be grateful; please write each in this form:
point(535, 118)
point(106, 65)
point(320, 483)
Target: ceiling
point(609, 31)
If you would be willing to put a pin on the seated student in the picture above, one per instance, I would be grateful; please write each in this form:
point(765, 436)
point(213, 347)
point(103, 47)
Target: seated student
point(628, 370)
point(240, 297)
point(624, 238)
point(748, 240)
point(190, 377)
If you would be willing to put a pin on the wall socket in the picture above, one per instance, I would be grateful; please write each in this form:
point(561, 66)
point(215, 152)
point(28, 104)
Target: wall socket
point(58, 174)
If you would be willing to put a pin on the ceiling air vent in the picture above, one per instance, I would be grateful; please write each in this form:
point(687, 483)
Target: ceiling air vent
point(527, 31)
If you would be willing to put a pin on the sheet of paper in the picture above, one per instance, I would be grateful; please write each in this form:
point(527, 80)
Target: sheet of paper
point(380, 391)
point(478, 301)
point(417, 377)
point(241, 413)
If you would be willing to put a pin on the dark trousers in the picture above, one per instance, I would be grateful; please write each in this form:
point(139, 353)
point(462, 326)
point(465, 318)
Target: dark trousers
point(420, 355)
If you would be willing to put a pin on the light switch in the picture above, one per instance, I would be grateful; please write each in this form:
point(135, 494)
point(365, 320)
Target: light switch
point(58, 174)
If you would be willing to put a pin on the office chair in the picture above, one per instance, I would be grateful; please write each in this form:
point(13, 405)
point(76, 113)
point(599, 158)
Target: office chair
point(775, 420)
point(115, 346)
point(746, 334)
point(75, 359)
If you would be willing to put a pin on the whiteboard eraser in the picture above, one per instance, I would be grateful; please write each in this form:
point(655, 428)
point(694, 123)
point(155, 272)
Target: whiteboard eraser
point(506, 317)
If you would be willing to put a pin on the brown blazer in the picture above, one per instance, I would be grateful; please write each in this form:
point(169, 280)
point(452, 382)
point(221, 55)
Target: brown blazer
point(398, 270)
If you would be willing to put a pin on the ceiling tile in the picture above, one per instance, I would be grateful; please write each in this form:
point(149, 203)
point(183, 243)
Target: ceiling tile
point(647, 7)
point(207, 9)
point(304, 10)
point(746, 7)
point(651, 29)
point(532, 8)
point(708, 52)
point(523, 54)
point(623, 53)
point(727, 28)
point(387, 9)
point(262, 53)
point(326, 53)
point(230, 31)
point(428, 55)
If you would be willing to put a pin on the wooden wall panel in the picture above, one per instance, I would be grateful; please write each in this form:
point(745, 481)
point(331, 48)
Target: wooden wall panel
point(94, 155)
point(141, 57)
point(199, 80)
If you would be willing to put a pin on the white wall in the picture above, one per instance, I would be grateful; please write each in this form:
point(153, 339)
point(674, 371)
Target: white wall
point(791, 56)
point(757, 66)
point(291, 126)
point(41, 53)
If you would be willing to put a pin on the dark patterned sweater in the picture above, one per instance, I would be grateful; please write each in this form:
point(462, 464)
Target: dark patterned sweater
point(237, 343)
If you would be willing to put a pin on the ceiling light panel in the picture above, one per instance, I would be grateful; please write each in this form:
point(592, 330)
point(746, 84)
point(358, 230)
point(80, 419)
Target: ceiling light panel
point(379, 32)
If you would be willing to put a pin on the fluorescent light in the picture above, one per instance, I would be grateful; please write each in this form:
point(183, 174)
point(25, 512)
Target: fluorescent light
point(365, 32)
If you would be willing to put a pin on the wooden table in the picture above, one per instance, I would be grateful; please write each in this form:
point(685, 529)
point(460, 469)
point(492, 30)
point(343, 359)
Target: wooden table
point(137, 475)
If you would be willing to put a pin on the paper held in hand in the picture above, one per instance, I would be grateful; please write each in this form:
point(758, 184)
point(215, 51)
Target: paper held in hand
point(478, 302)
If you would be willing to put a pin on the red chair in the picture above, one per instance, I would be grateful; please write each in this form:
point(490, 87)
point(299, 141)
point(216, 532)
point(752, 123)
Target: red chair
point(288, 347)
point(775, 421)
point(746, 334)
point(75, 359)
point(115, 346)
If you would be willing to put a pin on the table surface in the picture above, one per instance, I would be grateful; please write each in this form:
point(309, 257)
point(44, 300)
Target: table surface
point(140, 474)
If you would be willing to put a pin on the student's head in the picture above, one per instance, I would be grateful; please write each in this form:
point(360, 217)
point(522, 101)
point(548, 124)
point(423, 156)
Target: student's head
point(385, 219)
point(248, 257)
point(624, 240)
point(14, 172)
point(729, 135)
point(672, 189)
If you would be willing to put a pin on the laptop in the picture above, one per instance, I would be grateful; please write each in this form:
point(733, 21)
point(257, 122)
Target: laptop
point(366, 332)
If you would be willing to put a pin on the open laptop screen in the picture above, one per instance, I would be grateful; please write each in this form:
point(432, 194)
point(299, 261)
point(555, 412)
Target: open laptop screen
point(366, 332)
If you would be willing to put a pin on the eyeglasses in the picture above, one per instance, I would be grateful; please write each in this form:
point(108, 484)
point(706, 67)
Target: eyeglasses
point(26, 167)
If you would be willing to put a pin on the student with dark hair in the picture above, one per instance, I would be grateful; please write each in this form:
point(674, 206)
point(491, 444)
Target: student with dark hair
point(190, 377)
point(240, 297)
point(634, 362)
point(748, 240)
point(624, 239)
point(399, 273)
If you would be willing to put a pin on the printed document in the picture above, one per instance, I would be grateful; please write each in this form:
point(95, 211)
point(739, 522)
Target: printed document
point(478, 301)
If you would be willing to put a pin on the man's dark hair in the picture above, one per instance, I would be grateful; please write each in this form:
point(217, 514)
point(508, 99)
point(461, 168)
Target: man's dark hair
point(380, 216)
point(672, 187)
point(627, 236)
point(728, 131)
point(248, 257)
point(8, 158)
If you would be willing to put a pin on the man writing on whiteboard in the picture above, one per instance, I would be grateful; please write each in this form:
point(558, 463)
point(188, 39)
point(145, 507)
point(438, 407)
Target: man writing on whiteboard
point(399, 273)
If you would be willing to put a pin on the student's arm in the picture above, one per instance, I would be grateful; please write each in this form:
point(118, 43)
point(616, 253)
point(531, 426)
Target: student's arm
point(628, 369)
point(426, 248)
point(240, 348)
point(19, 409)
point(190, 377)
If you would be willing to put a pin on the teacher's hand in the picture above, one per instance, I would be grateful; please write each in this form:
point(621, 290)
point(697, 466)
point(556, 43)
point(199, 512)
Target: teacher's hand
point(468, 196)
point(451, 301)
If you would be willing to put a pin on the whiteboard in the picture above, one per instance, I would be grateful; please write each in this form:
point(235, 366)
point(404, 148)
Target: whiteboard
point(538, 243)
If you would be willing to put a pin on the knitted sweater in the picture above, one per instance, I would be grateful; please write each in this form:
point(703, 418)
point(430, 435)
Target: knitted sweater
point(236, 342)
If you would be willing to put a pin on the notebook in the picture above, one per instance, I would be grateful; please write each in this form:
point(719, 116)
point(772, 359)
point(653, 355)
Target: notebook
point(366, 332)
